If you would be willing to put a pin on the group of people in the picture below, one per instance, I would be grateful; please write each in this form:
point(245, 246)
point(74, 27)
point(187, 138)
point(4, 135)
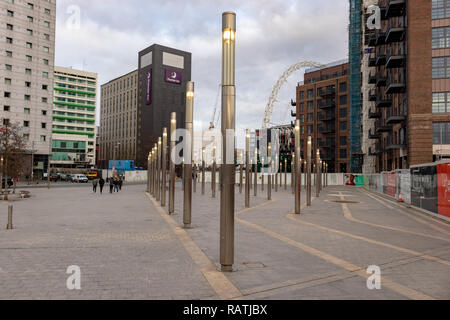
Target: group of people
point(115, 184)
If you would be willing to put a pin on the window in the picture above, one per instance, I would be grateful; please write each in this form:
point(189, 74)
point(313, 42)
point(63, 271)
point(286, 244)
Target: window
point(8, 67)
point(302, 130)
point(44, 100)
point(440, 38)
point(302, 106)
point(44, 74)
point(10, 13)
point(302, 118)
point(46, 36)
point(310, 117)
point(441, 67)
point(43, 138)
point(47, 24)
point(5, 122)
point(310, 129)
point(26, 124)
point(343, 153)
point(310, 93)
point(30, 6)
point(6, 108)
point(343, 112)
point(9, 26)
point(343, 100)
point(28, 71)
point(46, 11)
point(9, 40)
point(46, 49)
point(29, 58)
point(29, 32)
point(30, 19)
point(343, 140)
point(343, 87)
point(302, 95)
point(441, 133)
point(441, 102)
point(29, 45)
point(9, 53)
point(310, 105)
point(44, 112)
point(27, 97)
point(27, 84)
point(44, 87)
point(7, 94)
point(7, 81)
point(26, 136)
point(45, 61)
point(343, 125)
point(43, 125)
point(440, 9)
point(26, 110)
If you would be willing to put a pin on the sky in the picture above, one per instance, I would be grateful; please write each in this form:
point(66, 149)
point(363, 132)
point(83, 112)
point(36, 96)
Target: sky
point(271, 35)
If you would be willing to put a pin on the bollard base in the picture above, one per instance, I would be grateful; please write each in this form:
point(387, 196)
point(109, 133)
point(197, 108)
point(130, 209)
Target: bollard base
point(187, 226)
point(226, 268)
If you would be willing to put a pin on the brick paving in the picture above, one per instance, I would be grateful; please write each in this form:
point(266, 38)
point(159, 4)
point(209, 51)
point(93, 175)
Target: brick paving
point(126, 250)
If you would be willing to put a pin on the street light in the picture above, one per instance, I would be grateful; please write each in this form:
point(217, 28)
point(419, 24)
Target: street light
point(241, 169)
point(173, 140)
point(213, 173)
point(228, 177)
point(203, 170)
point(149, 159)
point(317, 162)
point(255, 181)
point(308, 171)
point(247, 169)
point(298, 174)
point(164, 168)
point(269, 176)
point(262, 174)
point(187, 204)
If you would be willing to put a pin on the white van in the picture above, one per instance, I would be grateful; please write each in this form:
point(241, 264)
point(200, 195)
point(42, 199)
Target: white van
point(79, 178)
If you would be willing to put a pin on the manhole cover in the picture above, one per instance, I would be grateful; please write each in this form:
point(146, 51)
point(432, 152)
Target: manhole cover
point(343, 201)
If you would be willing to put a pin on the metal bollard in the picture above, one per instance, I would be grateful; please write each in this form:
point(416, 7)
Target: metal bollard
point(10, 213)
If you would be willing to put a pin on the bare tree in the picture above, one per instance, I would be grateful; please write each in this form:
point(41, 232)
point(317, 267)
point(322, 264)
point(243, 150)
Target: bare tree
point(12, 149)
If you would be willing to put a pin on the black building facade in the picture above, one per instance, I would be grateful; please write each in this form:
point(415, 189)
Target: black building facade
point(162, 73)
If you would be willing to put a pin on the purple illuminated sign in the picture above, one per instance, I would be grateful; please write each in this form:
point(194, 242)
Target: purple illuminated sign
point(149, 86)
point(173, 76)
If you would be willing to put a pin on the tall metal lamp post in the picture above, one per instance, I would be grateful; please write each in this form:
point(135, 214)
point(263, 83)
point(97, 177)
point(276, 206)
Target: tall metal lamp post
point(228, 177)
point(187, 204)
point(173, 140)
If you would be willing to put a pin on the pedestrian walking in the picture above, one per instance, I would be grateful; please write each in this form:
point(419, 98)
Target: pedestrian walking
point(111, 185)
point(116, 184)
point(120, 183)
point(101, 183)
point(94, 185)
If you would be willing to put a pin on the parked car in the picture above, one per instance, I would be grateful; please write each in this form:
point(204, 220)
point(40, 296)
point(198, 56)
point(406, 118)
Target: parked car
point(63, 177)
point(54, 177)
point(80, 178)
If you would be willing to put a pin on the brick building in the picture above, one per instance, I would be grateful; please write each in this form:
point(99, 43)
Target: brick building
point(323, 110)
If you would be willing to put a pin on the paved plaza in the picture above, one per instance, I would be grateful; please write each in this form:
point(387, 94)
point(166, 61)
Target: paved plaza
point(127, 247)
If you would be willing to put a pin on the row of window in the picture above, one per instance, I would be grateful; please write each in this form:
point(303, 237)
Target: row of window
point(70, 86)
point(310, 92)
point(70, 79)
point(28, 45)
point(119, 85)
point(26, 137)
point(8, 81)
point(26, 97)
point(85, 102)
point(30, 5)
point(30, 32)
point(440, 9)
point(28, 58)
point(25, 110)
point(70, 128)
point(28, 71)
point(310, 104)
point(30, 19)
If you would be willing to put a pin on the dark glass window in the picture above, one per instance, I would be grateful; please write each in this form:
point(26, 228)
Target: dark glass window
point(343, 153)
point(440, 9)
point(343, 141)
point(343, 125)
point(343, 112)
point(343, 87)
point(343, 99)
point(441, 133)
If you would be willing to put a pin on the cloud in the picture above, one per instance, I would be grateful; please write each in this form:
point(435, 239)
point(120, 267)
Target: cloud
point(271, 36)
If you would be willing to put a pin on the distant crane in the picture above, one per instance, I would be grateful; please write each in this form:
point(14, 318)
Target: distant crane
point(279, 84)
point(214, 120)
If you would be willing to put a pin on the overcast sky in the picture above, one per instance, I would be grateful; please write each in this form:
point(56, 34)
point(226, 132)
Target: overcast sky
point(271, 36)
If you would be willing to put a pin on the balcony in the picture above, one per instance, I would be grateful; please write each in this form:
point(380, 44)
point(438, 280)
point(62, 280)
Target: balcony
point(395, 32)
point(394, 145)
point(383, 101)
point(395, 83)
point(381, 127)
point(293, 114)
point(327, 130)
point(372, 78)
point(372, 40)
point(327, 92)
point(374, 136)
point(326, 104)
point(326, 145)
point(395, 8)
point(372, 95)
point(380, 58)
point(293, 103)
point(329, 116)
point(381, 79)
point(394, 116)
point(372, 60)
point(380, 38)
point(374, 115)
point(395, 58)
